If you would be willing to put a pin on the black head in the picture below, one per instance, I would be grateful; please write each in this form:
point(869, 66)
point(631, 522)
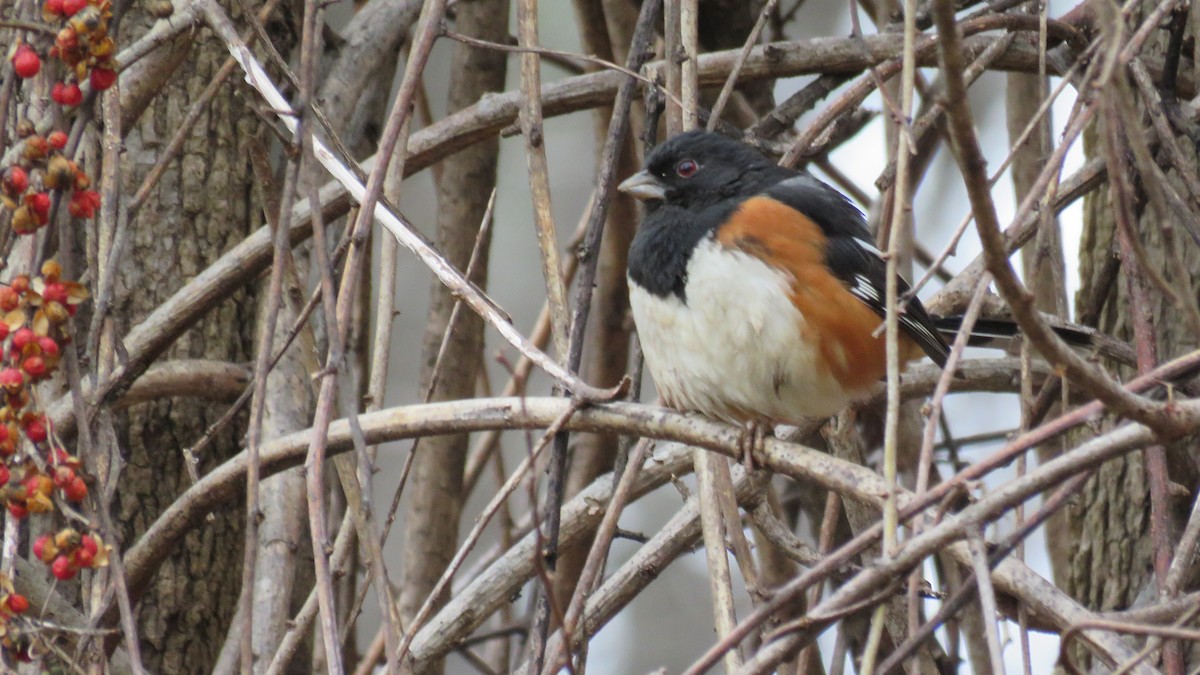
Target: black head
point(698, 168)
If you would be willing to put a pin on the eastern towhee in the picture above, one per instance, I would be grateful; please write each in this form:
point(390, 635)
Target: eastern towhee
point(757, 290)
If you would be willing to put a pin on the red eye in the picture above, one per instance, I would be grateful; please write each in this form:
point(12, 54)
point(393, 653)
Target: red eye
point(687, 168)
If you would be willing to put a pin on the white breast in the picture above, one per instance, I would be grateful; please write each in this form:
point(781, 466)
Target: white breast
point(735, 350)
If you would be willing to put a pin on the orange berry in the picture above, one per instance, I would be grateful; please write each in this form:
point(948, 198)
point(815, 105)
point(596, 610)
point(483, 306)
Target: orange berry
point(60, 173)
point(9, 300)
point(51, 270)
point(35, 148)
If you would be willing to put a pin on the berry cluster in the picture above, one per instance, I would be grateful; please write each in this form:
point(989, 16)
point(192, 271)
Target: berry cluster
point(35, 469)
point(67, 551)
point(12, 604)
point(34, 313)
point(82, 44)
point(86, 51)
point(37, 474)
point(42, 157)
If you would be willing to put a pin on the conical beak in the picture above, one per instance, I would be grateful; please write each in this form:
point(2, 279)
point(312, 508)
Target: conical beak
point(644, 186)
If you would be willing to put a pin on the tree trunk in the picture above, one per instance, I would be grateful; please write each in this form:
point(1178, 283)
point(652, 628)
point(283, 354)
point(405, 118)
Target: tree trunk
point(205, 204)
point(1106, 557)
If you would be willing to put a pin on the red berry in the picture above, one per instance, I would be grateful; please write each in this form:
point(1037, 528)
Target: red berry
point(56, 292)
point(35, 366)
point(35, 429)
point(14, 181)
point(60, 457)
point(25, 62)
point(23, 337)
point(53, 8)
point(57, 139)
point(17, 510)
point(67, 93)
point(102, 78)
point(76, 491)
point(4, 474)
point(47, 343)
point(61, 569)
point(39, 203)
point(83, 204)
point(20, 283)
point(12, 379)
point(72, 7)
point(17, 603)
point(82, 558)
point(39, 547)
point(88, 543)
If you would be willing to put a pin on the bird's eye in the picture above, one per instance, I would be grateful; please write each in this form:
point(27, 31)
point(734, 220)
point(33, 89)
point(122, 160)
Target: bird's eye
point(687, 168)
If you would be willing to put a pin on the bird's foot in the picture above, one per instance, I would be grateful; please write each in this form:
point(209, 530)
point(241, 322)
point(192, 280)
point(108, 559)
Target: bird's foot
point(752, 440)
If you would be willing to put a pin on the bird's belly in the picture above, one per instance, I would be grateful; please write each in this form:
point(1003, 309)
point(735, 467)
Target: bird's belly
point(737, 349)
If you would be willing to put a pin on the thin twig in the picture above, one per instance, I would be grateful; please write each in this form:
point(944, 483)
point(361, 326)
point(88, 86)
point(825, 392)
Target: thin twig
point(714, 117)
point(1032, 324)
point(594, 565)
point(514, 481)
point(987, 598)
point(262, 364)
point(539, 174)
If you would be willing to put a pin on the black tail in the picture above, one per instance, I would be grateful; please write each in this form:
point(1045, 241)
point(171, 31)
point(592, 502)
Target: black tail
point(1003, 333)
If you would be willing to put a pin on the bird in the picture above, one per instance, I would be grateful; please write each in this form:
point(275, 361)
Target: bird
point(757, 291)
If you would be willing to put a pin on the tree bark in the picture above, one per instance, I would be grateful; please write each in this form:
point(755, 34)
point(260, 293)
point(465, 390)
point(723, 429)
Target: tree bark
point(204, 205)
point(1106, 561)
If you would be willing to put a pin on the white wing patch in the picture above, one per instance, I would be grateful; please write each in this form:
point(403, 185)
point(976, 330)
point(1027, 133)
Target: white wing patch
point(869, 247)
point(864, 289)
